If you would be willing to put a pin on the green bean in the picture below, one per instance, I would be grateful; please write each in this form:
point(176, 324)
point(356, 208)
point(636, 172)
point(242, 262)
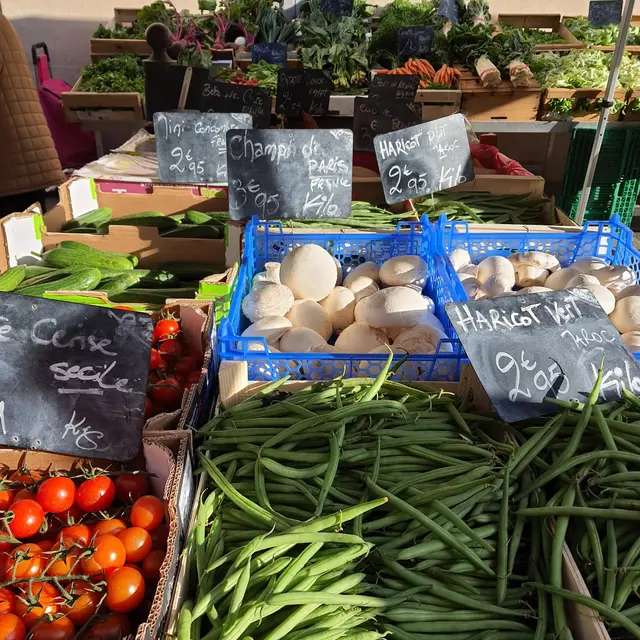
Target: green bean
point(239, 592)
point(503, 539)
point(532, 447)
point(185, 621)
point(581, 512)
point(454, 626)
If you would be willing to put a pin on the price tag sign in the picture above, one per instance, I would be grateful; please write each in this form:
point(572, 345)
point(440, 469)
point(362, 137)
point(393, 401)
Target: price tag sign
point(605, 12)
point(449, 10)
point(373, 117)
point(73, 377)
point(192, 147)
point(226, 97)
point(424, 159)
point(526, 348)
point(415, 42)
point(290, 92)
point(317, 92)
point(393, 87)
point(271, 52)
point(286, 173)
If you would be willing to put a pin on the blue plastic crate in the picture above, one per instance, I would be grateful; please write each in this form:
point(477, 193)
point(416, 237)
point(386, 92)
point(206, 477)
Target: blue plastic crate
point(610, 240)
point(267, 242)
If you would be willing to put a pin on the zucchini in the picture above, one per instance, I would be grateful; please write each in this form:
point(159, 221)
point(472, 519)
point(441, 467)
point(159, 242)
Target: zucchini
point(178, 217)
point(83, 280)
point(197, 217)
point(91, 230)
point(153, 296)
point(119, 284)
point(54, 274)
point(33, 270)
point(192, 270)
point(79, 246)
point(72, 258)
point(11, 278)
point(195, 231)
point(145, 219)
point(89, 219)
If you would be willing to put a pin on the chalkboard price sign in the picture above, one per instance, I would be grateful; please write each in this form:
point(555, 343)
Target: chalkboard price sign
point(271, 52)
point(192, 147)
point(526, 348)
point(605, 12)
point(225, 97)
point(449, 9)
point(337, 7)
point(73, 377)
point(286, 173)
point(423, 159)
point(393, 87)
point(373, 117)
point(415, 42)
point(318, 87)
point(290, 92)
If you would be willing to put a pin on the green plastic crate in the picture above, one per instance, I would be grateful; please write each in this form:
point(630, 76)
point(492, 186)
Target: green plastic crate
point(616, 184)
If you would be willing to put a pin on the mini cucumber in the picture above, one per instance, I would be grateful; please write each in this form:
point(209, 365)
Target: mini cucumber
point(89, 219)
point(204, 231)
point(53, 275)
point(79, 246)
point(11, 278)
point(192, 270)
point(152, 296)
point(119, 284)
point(83, 280)
point(33, 270)
point(197, 217)
point(71, 258)
point(178, 217)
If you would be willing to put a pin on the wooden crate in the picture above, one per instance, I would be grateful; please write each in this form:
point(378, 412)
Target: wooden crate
point(632, 116)
point(500, 103)
point(88, 106)
point(579, 94)
point(438, 103)
point(544, 22)
point(243, 60)
point(108, 47)
point(635, 49)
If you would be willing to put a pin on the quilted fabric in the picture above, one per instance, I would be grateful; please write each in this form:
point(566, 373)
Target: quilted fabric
point(28, 158)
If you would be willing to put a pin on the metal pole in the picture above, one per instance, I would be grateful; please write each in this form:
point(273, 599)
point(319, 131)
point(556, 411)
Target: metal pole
point(604, 114)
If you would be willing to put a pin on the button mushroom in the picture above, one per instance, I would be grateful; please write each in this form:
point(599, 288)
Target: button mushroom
point(558, 279)
point(403, 271)
point(310, 314)
point(468, 269)
point(459, 258)
point(310, 272)
point(269, 299)
point(533, 290)
point(271, 328)
point(606, 299)
point(301, 340)
point(360, 338)
point(626, 316)
point(367, 269)
point(271, 273)
point(632, 340)
point(589, 264)
point(363, 287)
point(339, 268)
point(340, 304)
point(421, 339)
point(629, 291)
point(532, 268)
point(616, 278)
point(581, 280)
point(497, 275)
point(392, 307)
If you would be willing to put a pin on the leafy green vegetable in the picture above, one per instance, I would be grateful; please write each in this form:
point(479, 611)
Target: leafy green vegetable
point(154, 12)
point(266, 74)
point(606, 36)
point(113, 75)
point(272, 26)
point(535, 35)
point(196, 57)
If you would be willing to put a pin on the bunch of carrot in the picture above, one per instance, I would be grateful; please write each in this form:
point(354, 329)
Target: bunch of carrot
point(445, 76)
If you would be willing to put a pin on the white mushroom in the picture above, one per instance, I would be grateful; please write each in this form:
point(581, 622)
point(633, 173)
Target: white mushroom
point(626, 316)
point(468, 269)
point(427, 318)
point(339, 268)
point(504, 294)
point(310, 272)
point(530, 276)
point(589, 264)
point(473, 288)
point(581, 280)
point(367, 269)
point(629, 291)
point(533, 290)
point(606, 299)
point(363, 287)
point(301, 340)
point(558, 279)
point(269, 299)
point(392, 307)
point(403, 271)
point(360, 338)
point(384, 350)
point(538, 259)
point(632, 340)
point(271, 328)
point(497, 275)
point(271, 273)
point(310, 314)
point(259, 348)
point(459, 258)
point(421, 339)
point(616, 278)
point(340, 304)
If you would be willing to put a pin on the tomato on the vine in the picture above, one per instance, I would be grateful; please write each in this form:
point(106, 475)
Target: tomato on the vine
point(125, 590)
point(46, 545)
point(7, 496)
point(58, 629)
point(26, 476)
point(35, 604)
point(70, 516)
point(113, 526)
point(65, 563)
point(151, 565)
point(192, 378)
point(165, 329)
point(130, 487)
point(27, 560)
point(147, 513)
point(56, 495)
point(7, 601)
point(11, 627)
point(150, 409)
point(159, 537)
point(96, 494)
point(167, 393)
point(28, 517)
point(109, 554)
point(85, 603)
point(155, 360)
point(170, 349)
point(113, 627)
point(78, 534)
point(24, 494)
point(137, 543)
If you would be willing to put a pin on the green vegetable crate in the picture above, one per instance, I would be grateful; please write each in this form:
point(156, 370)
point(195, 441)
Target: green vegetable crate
point(554, 36)
point(616, 184)
point(107, 47)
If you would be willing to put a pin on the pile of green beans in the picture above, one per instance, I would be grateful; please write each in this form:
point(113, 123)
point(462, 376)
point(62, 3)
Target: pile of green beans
point(443, 554)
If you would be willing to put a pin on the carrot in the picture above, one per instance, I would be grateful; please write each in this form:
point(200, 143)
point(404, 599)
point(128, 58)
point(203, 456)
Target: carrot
point(383, 71)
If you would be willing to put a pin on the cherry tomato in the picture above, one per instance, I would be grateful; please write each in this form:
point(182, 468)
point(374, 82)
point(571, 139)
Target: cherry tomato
point(70, 516)
point(11, 627)
point(7, 601)
point(78, 534)
point(155, 360)
point(186, 365)
point(56, 495)
point(154, 378)
point(26, 476)
point(170, 350)
point(167, 393)
point(113, 526)
point(147, 513)
point(28, 517)
point(64, 565)
point(28, 562)
point(150, 409)
point(96, 494)
point(159, 537)
point(7, 496)
point(85, 603)
point(42, 599)
point(151, 565)
point(113, 627)
point(24, 494)
point(137, 543)
point(166, 329)
point(45, 545)
point(109, 554)
point(130, 487)
point(5, 544)
point(125, 590)
point(59, 629)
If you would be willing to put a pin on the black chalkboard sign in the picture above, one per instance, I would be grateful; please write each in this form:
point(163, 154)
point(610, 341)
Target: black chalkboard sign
point(226, 97)
point(271, 52)
point(317, 92)
point(192, 147)
point(286, 173)
point(395, 87)
point(420, 160)
point(338, 7)
point(526, 348)
point(415, 42)
point(605, 12)
point(449, 9)
point(290, 92)
point(373, 117)
point(73, 377)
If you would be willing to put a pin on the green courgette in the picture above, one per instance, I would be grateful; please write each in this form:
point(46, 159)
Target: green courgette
point(89, 219)
point(195, 231)
point(145, 219)
point(84, 248)
point(100, 230)
point(152, 296)
point(51, 276)
point(177, 217)
point(192, 270)
point(71, 258)
point(33, 270)
point(11, 278)
point(119, 284)
point(197, 217)
point(83, 280)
